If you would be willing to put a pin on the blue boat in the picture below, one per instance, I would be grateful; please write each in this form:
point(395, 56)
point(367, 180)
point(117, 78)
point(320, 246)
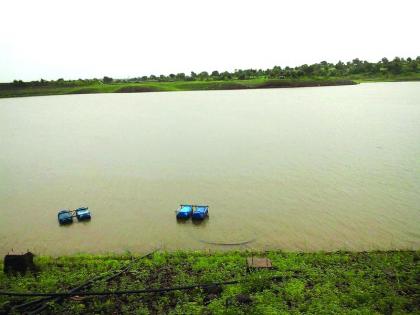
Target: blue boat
point(82, 213)
point(184, 212)
point(65, 216)
point(200, 212)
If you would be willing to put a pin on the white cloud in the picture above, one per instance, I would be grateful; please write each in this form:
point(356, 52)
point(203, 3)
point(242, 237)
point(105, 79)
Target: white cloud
point(72, 39)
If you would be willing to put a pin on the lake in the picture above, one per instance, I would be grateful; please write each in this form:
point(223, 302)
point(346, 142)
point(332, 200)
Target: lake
point(302, 169)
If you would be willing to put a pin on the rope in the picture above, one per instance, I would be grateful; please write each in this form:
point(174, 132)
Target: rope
point(141, 291)
point(228, 244)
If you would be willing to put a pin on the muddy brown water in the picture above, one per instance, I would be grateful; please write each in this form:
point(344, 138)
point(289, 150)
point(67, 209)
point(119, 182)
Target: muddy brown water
point(307, 169)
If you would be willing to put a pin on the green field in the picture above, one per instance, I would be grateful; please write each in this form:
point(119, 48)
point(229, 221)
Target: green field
point(313, 283)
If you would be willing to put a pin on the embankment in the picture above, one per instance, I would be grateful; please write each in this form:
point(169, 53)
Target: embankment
point(327, 283)
point(8, 90)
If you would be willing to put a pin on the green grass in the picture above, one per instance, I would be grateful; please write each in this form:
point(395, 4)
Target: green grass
point(313, 283)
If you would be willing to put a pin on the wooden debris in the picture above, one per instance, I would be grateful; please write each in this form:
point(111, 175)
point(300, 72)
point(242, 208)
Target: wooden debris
point(258, 262)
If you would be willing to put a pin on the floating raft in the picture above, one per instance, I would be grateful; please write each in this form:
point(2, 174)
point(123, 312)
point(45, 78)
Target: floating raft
point(82, 213)
point(65, 216)
point(200, 212)
point(184, 212)
point(196, 212)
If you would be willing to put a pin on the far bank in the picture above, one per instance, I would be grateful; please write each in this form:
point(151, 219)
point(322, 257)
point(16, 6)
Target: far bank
point(9, 90)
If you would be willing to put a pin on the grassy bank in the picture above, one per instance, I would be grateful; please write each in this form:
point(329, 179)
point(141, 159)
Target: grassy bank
point(55, 88)
point(8, 90)
point(317, 283)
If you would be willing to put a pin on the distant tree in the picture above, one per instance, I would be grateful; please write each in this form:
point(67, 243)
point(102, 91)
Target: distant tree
point(107, 80)
point(275, 73)
point(305, 69)
point(241, 75)
point(395, 66)
point(376, 67)
point(340, 65)
point(323, 69)
point(215, 74)
point(366, 67)
point(341, 68)
point(251, 73)
point(332, 72)
point(413, 66)
point(225, 75)
point(203, 75)
point(18, 83)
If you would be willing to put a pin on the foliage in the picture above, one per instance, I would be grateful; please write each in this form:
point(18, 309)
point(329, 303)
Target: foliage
point(107, 80)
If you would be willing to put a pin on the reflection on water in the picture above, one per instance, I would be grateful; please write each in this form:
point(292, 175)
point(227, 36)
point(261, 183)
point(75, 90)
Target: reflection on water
point(297, 169)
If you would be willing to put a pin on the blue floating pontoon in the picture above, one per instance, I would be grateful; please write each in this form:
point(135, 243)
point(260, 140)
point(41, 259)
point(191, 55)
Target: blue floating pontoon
point(82, 213)
point(200, 212)
point(65, 216)
point(184, 212)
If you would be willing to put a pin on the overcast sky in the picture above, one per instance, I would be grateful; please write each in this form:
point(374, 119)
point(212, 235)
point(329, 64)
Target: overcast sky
point(86, 39)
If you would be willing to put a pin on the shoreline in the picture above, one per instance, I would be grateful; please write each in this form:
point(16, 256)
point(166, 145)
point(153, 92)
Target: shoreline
point(9, 91)
point(321, 282)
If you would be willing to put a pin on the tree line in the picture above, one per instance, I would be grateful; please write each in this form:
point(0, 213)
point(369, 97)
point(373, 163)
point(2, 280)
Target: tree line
point(324, 69)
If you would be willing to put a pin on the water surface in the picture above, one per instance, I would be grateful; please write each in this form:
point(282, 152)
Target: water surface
point(297, 169)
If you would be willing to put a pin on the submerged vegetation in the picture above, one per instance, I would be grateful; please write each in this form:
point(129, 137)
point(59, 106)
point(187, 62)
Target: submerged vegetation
point(317, 283)
point(319, 74)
